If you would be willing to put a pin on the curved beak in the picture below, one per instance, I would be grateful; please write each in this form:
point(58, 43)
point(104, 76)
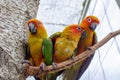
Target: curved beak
point(93, 26)
point(32, 28)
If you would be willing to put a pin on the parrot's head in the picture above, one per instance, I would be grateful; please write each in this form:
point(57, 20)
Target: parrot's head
point(90, 23)
point(73, 31)
point(36, 28)
point(34, 25)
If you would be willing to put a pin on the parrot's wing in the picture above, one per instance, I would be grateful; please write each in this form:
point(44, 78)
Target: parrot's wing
point(87, 62)
point(28, 58)
point(83, 35)
point(47, 51)
point(94, 38)
point(27, 52)
point(54, 36)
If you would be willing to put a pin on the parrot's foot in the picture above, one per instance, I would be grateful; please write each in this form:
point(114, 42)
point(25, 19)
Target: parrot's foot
point(42, 66)
point(26, 61)
point(54, 65)
point(89, 48)
point(25, 67)
point(72, 57)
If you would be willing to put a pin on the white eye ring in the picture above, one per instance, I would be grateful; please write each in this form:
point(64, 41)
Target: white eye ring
point(89, 19)
point(78, 28)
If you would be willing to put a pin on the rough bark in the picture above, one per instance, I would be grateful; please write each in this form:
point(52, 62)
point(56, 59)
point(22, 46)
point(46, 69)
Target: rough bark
point(13, 16)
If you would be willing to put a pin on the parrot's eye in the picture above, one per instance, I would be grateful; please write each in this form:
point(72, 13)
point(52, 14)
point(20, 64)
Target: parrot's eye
point(89, 20)
point(78, 28)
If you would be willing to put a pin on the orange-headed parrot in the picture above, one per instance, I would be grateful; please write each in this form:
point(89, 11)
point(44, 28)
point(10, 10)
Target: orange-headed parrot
point(36, 34)
point(66, 43)
point(89, 24)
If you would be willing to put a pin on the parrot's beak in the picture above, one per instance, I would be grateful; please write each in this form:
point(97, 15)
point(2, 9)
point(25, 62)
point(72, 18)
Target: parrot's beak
point(93, 26)
point(32, 28)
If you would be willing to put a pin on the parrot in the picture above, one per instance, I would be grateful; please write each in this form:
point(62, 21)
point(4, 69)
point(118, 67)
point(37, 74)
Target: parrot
point(40, 47)
point(36, 34)
point(66, 42)
point(89, 25)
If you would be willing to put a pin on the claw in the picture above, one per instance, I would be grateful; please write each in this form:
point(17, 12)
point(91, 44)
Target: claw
point(54, 65)
point(72, 57)
point(25, 67)
point(89, 48)
point(42, 66)
point(26, 61)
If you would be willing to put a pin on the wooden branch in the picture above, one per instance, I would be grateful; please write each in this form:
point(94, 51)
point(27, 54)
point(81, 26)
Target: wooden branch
point(32, 70)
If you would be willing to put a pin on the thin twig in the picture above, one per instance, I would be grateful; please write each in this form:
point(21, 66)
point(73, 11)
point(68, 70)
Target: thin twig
point(32, 70)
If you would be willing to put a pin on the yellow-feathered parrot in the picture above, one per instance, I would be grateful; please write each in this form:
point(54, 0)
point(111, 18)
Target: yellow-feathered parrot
point(37, 37)
point(66, 43)
point(41, 48)
point(36, 34)
point(89, 24)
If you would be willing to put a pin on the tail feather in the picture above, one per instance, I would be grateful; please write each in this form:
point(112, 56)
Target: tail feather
point(83, 67)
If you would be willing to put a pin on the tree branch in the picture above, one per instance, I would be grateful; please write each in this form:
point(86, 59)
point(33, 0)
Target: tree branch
point(32, 70)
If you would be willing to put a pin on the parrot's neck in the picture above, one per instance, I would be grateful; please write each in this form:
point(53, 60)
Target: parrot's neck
point(74, 38)
point(71, 36)
point(37, 35)
point(89, 33)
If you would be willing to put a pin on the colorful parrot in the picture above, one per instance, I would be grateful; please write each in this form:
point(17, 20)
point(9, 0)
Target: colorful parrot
point(39, 49)
point(89, 24)
point(66, 43)
point(36, 34)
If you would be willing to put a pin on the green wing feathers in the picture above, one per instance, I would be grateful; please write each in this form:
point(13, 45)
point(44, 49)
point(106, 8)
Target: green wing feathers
point(47, 51)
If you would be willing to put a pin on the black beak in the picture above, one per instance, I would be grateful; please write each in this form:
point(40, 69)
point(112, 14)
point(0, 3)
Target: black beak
point(93, 26)
point(32, 28)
